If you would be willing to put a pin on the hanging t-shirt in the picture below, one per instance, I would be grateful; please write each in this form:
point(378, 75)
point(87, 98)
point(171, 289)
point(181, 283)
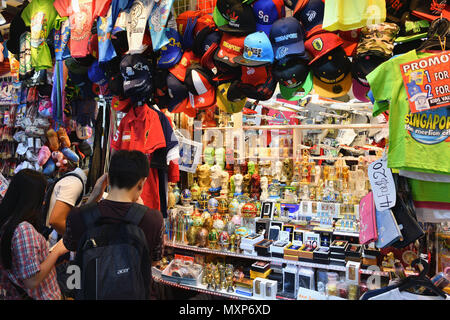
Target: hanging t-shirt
point(41, 17)
point(62, 36)
point(419, 141)
point(82, 14)
point(348, 15)
point(157, 22)
point(137, 24)
point(105, 26)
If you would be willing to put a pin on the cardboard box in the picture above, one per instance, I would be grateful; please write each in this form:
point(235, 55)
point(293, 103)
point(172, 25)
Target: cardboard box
point(254, 274)
point(263, 247)
point(292, 250)
point(306, 252)
point(338, 246)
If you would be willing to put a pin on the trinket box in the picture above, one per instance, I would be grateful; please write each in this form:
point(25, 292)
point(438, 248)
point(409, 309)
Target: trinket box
point(263, 247)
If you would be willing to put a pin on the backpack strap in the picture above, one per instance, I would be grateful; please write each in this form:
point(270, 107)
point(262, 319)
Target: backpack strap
point(135, 213)
point(90, 214)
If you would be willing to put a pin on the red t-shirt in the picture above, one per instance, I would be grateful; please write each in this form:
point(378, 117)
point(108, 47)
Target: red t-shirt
point(141, 130)
point(82, 14)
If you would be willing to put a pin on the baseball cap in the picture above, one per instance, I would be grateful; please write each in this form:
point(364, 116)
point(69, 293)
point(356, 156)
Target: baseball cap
point(257, 50)
point(172, 52)
point(230, 47)
point(201, 87)
point(184, 18)
point(286, 36)
point(432, 9)
point(221, 13)
point(350, 40)
point(362, 65)
point(225, 102)
point(207, 60)
point(96, 74)
point(378, 39)
point(294, 77)
point(241, 20)
point(121, 104)
point(322, 43)
point(178, 94)
point(332, 74)
point(206, 21)
point(413, 30)
point(257, 83)
point(179, 70)
point(267, 12)
point(397, 9)
point(310, 13)
point(204, 41)
point(137, 76)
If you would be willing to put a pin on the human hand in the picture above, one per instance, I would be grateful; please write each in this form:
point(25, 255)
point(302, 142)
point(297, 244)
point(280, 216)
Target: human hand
point(99, 188)
point(59, 248)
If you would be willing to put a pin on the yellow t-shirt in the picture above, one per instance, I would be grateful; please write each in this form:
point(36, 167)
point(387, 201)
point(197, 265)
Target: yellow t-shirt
point(353, 14)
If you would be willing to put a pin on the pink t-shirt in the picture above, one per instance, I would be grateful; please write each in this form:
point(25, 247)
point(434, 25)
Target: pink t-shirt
point(81, 15)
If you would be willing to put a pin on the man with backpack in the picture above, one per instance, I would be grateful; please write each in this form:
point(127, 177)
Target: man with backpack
point(116, 240)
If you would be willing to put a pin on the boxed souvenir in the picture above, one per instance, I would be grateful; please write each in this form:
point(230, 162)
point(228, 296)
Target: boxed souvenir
point(337, 262)
point(306, 252)
point(353, 252)
point(277, 276)
point(370, 252)
point(274, 233)
point(244, 287)
point(306, 278)
point(260, 266)
point(339, 256)
point(277, 247)
point(290, 281)
point(248, 242)
point(262, 227)
point(255, 274)
point(338, 246)
point(325, 238)
point(264, 289)
point(183, 272)
point(352, 272)
point(263, 247)
point(292, 250)
point(290, 229)
point(321, 255)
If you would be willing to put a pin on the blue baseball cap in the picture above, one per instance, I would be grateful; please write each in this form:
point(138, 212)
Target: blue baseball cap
point(257, 50)
point(310, 13)
point(267, 12)
point(172, 52)
point(97, 74)
point(286, 36)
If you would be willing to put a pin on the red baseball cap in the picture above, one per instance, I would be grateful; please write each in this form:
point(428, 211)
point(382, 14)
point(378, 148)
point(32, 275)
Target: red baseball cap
point(204, 22)
point(231, 46)
point(179, 70)
point(350, 40)
point(183, 18)
point(201, 88)
point(322, 43)
point(122, 105)
point(207, 59)
point(254, 75)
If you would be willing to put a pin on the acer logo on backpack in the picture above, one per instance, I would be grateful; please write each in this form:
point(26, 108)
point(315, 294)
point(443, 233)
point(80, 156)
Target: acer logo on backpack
point(122, 271)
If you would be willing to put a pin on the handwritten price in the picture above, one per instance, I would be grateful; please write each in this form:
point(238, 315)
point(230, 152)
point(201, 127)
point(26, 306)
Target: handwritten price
point(382, 184)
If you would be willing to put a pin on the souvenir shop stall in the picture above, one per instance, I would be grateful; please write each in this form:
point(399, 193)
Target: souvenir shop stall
point(298, 149)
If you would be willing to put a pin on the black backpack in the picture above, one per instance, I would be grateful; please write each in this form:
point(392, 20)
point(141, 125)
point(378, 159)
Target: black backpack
point(114, 258)
point(48, 195)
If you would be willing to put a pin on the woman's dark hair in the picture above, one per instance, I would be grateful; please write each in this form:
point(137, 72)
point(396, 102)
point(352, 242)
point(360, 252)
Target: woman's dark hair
point(22, 202)
point(127, 168)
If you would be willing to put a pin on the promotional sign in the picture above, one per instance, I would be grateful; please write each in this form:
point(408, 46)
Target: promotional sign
point(427, 82)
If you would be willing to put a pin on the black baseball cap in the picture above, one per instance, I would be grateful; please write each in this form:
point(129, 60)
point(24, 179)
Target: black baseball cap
point(293, 75)
point(177, 92)
point(241, 20)
point(17, 27)
point(137, 75)
point(204, 40)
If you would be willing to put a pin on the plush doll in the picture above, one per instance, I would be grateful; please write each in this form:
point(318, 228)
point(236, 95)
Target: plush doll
point(53, 140)
point(58, 157)
point(44, 155)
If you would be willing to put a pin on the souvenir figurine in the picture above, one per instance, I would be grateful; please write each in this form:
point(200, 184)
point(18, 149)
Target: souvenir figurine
point(208, 155)
point(246, 184)
point(264, 184)
point(238, 179)
point(176, 193)
point(220, 157)
point(213, 236)
point(208, 223)
point(171, 198)
point(192, 234)
point(236, 219)
point(223, 206)
point(186, 197)
point(238, 243)
point(217, 282)
point(218, 224)
point(202, 238)
point(287, 171)
point(224, 240)
point(204, 197)
point(251, 169)
point(230, 227)
point(213, 206)
point(233, 207)
point(216, 177)
point(249, 210)
point(232, 187)
point(204, 176)
point(255, 189)
point(195, 192)
point(232, 242)
point(224, 177)
point(277, 171)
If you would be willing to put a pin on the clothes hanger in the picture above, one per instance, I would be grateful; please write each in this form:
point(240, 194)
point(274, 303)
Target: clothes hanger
point(421, 280)
point(438, 34)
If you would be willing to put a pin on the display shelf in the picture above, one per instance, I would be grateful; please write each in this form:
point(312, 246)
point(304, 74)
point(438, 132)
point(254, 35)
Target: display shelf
point(346, 234)
point(271, 259)
point(306, 127)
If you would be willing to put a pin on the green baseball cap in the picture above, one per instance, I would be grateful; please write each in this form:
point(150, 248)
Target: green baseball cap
point(218, 18)
point(413, 30)
point(294, 77)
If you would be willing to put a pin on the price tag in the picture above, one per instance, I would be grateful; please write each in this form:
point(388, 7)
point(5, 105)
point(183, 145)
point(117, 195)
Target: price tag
point(4, 184)
point(382, 183)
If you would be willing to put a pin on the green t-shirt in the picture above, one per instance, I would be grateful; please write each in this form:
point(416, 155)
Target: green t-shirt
point(419, 141)
point(41, 16)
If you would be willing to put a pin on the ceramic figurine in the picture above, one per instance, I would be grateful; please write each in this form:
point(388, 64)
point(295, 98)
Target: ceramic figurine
point(224, 177)
point(203, 201)
point(171, 198)
point(202, 237)
point(255, 186)
point(186, 197)
point(195, 192)
point(246, 184)
point(251, 169)
point(218, 224)
point(264, 189)
point(276, 173)
point(213, 206)
point(220, 157)
point(208, 155)
point(238, 179)
point(216, 176)
point(233, 206)
point(204, 176)
point(176, 193)
point(213, 237)
point(232, 242)
point(224, 240)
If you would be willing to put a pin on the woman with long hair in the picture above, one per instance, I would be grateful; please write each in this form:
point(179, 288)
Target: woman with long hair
point(27, 266)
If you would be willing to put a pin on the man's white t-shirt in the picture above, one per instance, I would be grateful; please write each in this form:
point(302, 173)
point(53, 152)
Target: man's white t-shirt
point(67, 190)
point(396, 294)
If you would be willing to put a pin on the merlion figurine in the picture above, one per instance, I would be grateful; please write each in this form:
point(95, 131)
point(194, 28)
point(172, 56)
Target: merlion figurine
point(238, 179)
point(277, 170)
point(216, 176)
point(224, 177)
point(204, 177)
point(264, 189)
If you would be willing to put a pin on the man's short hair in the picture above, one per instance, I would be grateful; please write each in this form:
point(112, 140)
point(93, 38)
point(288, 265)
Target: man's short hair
point(127, 168)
